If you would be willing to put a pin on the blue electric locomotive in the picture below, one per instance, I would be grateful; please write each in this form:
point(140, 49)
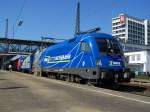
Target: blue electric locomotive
point(93, 57)
point(89, 56)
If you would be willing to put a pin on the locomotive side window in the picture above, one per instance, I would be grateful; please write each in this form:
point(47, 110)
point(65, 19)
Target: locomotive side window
point(85, 47)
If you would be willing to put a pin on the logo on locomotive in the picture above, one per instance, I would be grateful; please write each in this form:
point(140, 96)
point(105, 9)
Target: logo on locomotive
point(57, 59)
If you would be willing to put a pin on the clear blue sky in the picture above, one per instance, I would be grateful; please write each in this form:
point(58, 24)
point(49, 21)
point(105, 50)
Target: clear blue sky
point(56, 18)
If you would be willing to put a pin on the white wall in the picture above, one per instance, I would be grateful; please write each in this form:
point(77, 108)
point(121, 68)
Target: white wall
point(147, 68)
point(137, 57)
point(141, 58)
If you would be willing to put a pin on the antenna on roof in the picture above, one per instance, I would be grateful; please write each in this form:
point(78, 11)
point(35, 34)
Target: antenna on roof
point(77, 27)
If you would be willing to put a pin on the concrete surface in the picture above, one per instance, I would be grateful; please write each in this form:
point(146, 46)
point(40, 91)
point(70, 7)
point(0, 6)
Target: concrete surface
point(26, 93)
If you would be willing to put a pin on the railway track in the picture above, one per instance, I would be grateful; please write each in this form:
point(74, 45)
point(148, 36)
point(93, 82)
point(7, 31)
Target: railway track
point(133, 88)
point(137, 89)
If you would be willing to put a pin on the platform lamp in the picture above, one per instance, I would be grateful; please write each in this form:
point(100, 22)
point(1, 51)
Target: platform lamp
point(19, 25)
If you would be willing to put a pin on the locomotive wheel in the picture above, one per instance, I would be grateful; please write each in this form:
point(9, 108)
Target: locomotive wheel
point(68, 78)
point(49, 75)
point(53, 76)
point(57, 76)
point(77, 79)
point(71, 78)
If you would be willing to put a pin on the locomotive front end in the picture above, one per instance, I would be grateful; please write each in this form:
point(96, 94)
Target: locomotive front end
point(112, 61)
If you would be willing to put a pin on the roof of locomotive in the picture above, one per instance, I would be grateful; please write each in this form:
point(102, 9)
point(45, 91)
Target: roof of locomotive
point(80, 38)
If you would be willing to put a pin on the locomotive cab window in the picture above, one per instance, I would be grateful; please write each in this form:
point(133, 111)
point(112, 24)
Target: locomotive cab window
point(85, 47)
point(102, 45)
point(109, 46)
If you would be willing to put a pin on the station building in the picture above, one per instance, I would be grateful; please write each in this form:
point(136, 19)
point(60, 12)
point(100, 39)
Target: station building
point(138, 61)
point(137, 57)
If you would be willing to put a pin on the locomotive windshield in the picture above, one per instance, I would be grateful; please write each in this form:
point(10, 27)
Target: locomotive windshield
point(109, 46)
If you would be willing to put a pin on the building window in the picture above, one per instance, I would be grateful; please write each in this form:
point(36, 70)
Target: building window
point(133, 57)
point(138, 57)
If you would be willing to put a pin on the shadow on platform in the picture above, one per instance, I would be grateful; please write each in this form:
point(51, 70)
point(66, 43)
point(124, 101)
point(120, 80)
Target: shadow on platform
point(9, 88)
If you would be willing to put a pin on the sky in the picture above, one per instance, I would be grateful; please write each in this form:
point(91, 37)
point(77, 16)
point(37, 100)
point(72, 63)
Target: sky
point(56, 18)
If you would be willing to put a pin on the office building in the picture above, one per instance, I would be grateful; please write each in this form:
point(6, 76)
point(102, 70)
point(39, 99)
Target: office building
point(131, 30)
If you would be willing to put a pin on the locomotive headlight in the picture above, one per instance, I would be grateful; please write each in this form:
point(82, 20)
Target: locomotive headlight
point(98, 63)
